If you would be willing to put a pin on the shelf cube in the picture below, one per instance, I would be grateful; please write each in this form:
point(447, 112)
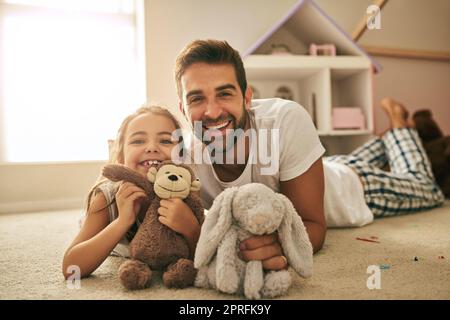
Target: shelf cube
point(348, 118)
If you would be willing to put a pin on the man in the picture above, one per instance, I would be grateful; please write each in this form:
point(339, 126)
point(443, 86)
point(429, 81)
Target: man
point(212, 88)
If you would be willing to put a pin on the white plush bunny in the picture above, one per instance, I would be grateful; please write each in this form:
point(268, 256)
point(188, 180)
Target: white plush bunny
point(237, 214)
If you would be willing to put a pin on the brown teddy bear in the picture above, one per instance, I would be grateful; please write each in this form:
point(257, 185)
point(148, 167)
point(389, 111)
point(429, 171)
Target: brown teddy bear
point(156, 246)
point(437, 147)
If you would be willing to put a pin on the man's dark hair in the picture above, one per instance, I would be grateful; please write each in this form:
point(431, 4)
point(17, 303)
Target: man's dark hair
point(213, 52)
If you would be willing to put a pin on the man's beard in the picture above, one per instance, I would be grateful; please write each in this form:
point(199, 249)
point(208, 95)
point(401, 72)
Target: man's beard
point(223, 142)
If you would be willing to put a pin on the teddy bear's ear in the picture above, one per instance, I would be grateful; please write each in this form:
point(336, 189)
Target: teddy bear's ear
point(115, 172)
point(118, 172)
point(295, 241)
point(195, 185)
point(151, 175)
point(217, 223)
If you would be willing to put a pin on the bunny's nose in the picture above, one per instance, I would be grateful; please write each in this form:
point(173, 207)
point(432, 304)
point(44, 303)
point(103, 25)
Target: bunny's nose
point(173, 177)
point(260, 219)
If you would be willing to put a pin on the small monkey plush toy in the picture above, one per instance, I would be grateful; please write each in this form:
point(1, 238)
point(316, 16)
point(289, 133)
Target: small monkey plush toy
point(156, 246)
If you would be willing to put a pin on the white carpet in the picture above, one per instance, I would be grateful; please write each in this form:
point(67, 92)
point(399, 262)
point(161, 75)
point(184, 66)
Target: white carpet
point(32, 246)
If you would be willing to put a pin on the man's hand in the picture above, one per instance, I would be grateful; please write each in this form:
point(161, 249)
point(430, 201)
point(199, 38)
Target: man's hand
point(266, 248)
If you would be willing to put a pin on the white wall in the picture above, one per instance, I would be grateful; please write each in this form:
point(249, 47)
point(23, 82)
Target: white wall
point(408, 24)
point(412, 24)
point(38, 187)
point(171, 24)
point(418, 85)
point(405, 24)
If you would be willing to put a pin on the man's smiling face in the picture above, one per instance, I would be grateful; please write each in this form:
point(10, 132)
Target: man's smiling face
point(211, 94)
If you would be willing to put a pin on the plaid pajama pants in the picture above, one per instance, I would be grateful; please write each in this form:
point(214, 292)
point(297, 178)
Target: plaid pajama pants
point(408, 187)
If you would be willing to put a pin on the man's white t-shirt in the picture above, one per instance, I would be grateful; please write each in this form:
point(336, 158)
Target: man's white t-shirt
point(283, 146)
point(344, 202)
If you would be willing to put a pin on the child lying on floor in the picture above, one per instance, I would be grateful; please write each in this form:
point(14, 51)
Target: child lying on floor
point(144, 140)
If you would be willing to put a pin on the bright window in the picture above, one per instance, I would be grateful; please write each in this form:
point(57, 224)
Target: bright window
point(69, 73)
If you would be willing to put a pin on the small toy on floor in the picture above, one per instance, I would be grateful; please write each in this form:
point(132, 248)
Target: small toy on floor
point(237, 214)
point(367, 240)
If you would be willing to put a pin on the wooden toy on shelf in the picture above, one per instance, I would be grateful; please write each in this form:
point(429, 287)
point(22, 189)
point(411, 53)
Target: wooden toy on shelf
point(322, 50)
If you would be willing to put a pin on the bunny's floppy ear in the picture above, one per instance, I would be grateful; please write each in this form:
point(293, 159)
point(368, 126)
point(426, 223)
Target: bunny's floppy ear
point(295, 240)
point(216, 224)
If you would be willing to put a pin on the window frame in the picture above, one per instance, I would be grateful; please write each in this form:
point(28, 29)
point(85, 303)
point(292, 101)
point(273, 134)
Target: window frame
point(139, 24)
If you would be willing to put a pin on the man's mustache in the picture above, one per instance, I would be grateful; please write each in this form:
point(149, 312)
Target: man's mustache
point(206, 122)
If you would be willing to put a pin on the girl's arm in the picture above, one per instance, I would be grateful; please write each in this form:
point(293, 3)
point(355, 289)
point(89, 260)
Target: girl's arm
point(96, 239)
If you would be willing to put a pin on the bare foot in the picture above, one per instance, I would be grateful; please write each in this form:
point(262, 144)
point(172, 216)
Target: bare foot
point(397, 113)
point(410, 123)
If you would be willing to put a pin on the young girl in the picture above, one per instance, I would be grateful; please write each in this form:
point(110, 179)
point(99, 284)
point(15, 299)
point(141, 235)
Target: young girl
point(144, 139)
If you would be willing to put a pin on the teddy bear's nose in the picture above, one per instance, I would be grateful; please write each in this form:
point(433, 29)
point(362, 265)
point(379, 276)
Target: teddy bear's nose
point(173, 177)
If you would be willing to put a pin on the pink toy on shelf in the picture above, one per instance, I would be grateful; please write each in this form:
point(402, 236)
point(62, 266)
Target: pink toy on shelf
point(348, 118)
point(322, 50)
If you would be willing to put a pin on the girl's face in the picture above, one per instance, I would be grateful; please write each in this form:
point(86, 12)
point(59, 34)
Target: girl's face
point(148, 141)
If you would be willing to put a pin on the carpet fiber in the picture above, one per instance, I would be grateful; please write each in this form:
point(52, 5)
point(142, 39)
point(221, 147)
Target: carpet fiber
point(413, 252)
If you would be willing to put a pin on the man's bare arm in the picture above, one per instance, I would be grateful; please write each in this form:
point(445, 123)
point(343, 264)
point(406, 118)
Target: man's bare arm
point(306, 193)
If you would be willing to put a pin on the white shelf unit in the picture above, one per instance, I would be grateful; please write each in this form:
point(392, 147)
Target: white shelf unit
point(326, 82)
point(319, 83)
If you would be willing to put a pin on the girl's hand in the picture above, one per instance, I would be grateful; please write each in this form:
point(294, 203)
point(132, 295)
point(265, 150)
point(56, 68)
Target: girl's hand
point(177, 215)
point(129, 198)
